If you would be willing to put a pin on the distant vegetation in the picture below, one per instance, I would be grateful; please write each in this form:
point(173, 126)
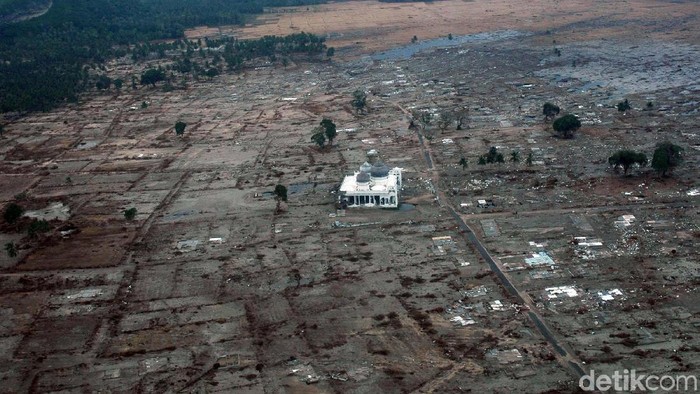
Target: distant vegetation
point(49, 60)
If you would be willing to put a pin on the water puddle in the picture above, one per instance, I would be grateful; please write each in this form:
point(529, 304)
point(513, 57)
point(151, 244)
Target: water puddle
point(406, 207)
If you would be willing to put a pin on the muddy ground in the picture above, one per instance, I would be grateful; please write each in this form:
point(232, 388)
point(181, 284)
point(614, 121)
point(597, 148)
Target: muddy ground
point(209, 289)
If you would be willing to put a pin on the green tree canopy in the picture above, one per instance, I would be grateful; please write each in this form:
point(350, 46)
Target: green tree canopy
point(12, 213)
point(130, 214)
point(623, 106)
point(103, 82)
point(666, 157)
point(152, 76)
point(566, 125)
point(329, 130)
point(319, 137)
point(515, 156)
point(212, 72)
point(627, 158)
point(180, 127)
point(359, 100)
point(281, 192)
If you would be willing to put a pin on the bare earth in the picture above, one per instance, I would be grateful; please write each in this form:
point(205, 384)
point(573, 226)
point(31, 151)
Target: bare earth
point(569, 265)
point(367, 26)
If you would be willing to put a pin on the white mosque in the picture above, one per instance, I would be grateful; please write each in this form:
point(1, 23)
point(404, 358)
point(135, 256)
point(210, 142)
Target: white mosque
point(372, 186)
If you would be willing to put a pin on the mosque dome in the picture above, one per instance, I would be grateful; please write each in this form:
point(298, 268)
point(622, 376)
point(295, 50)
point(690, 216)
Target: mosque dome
point(362, 177)
point(379, 170)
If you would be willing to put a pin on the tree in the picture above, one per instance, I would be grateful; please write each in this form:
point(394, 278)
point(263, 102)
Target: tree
point(482, 161)
point(329, 130)
point(319, 137)
point(463, 163)
point(37, 227)
point(12, 213)
point(529, 159)
point(493, 156)
point(11, 249)
point(152, 76)
point(118, 83)
point(130, 214)
point(103, 82)
point(460, 116)
point(623, 106)
point(2, 129)
point(626, 158)
point(280, 195)
point(666, 157)
point(330, 52)
point(566, 125)
point(212, 72)
point(550, 110)
point(359, 100)
point(449, 36)
point(445, 120)
point(414, 39)
point(515, 156)
point(180, 127)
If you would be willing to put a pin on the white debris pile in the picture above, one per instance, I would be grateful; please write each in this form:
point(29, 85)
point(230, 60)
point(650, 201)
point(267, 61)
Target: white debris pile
point(624, 221)
point(610, 295)
point(561, 292)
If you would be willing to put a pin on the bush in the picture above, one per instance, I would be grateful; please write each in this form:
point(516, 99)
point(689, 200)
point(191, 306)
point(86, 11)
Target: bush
point(180, 128)
point(37, 227)
point(130, 214)
point(549, 110)
point(12, 213)
point(623, 106)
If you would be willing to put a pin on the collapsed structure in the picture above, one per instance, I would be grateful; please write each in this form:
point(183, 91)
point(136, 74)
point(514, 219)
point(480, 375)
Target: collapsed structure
point(372, 186)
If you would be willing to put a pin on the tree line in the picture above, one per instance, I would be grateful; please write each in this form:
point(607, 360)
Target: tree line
point(50, 60)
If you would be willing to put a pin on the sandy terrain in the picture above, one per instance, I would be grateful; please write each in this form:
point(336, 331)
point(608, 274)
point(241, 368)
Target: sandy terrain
point(367, 26)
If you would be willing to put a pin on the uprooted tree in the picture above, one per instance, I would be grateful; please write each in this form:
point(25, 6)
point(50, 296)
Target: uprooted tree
point(566, 125)
point(627, 158)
